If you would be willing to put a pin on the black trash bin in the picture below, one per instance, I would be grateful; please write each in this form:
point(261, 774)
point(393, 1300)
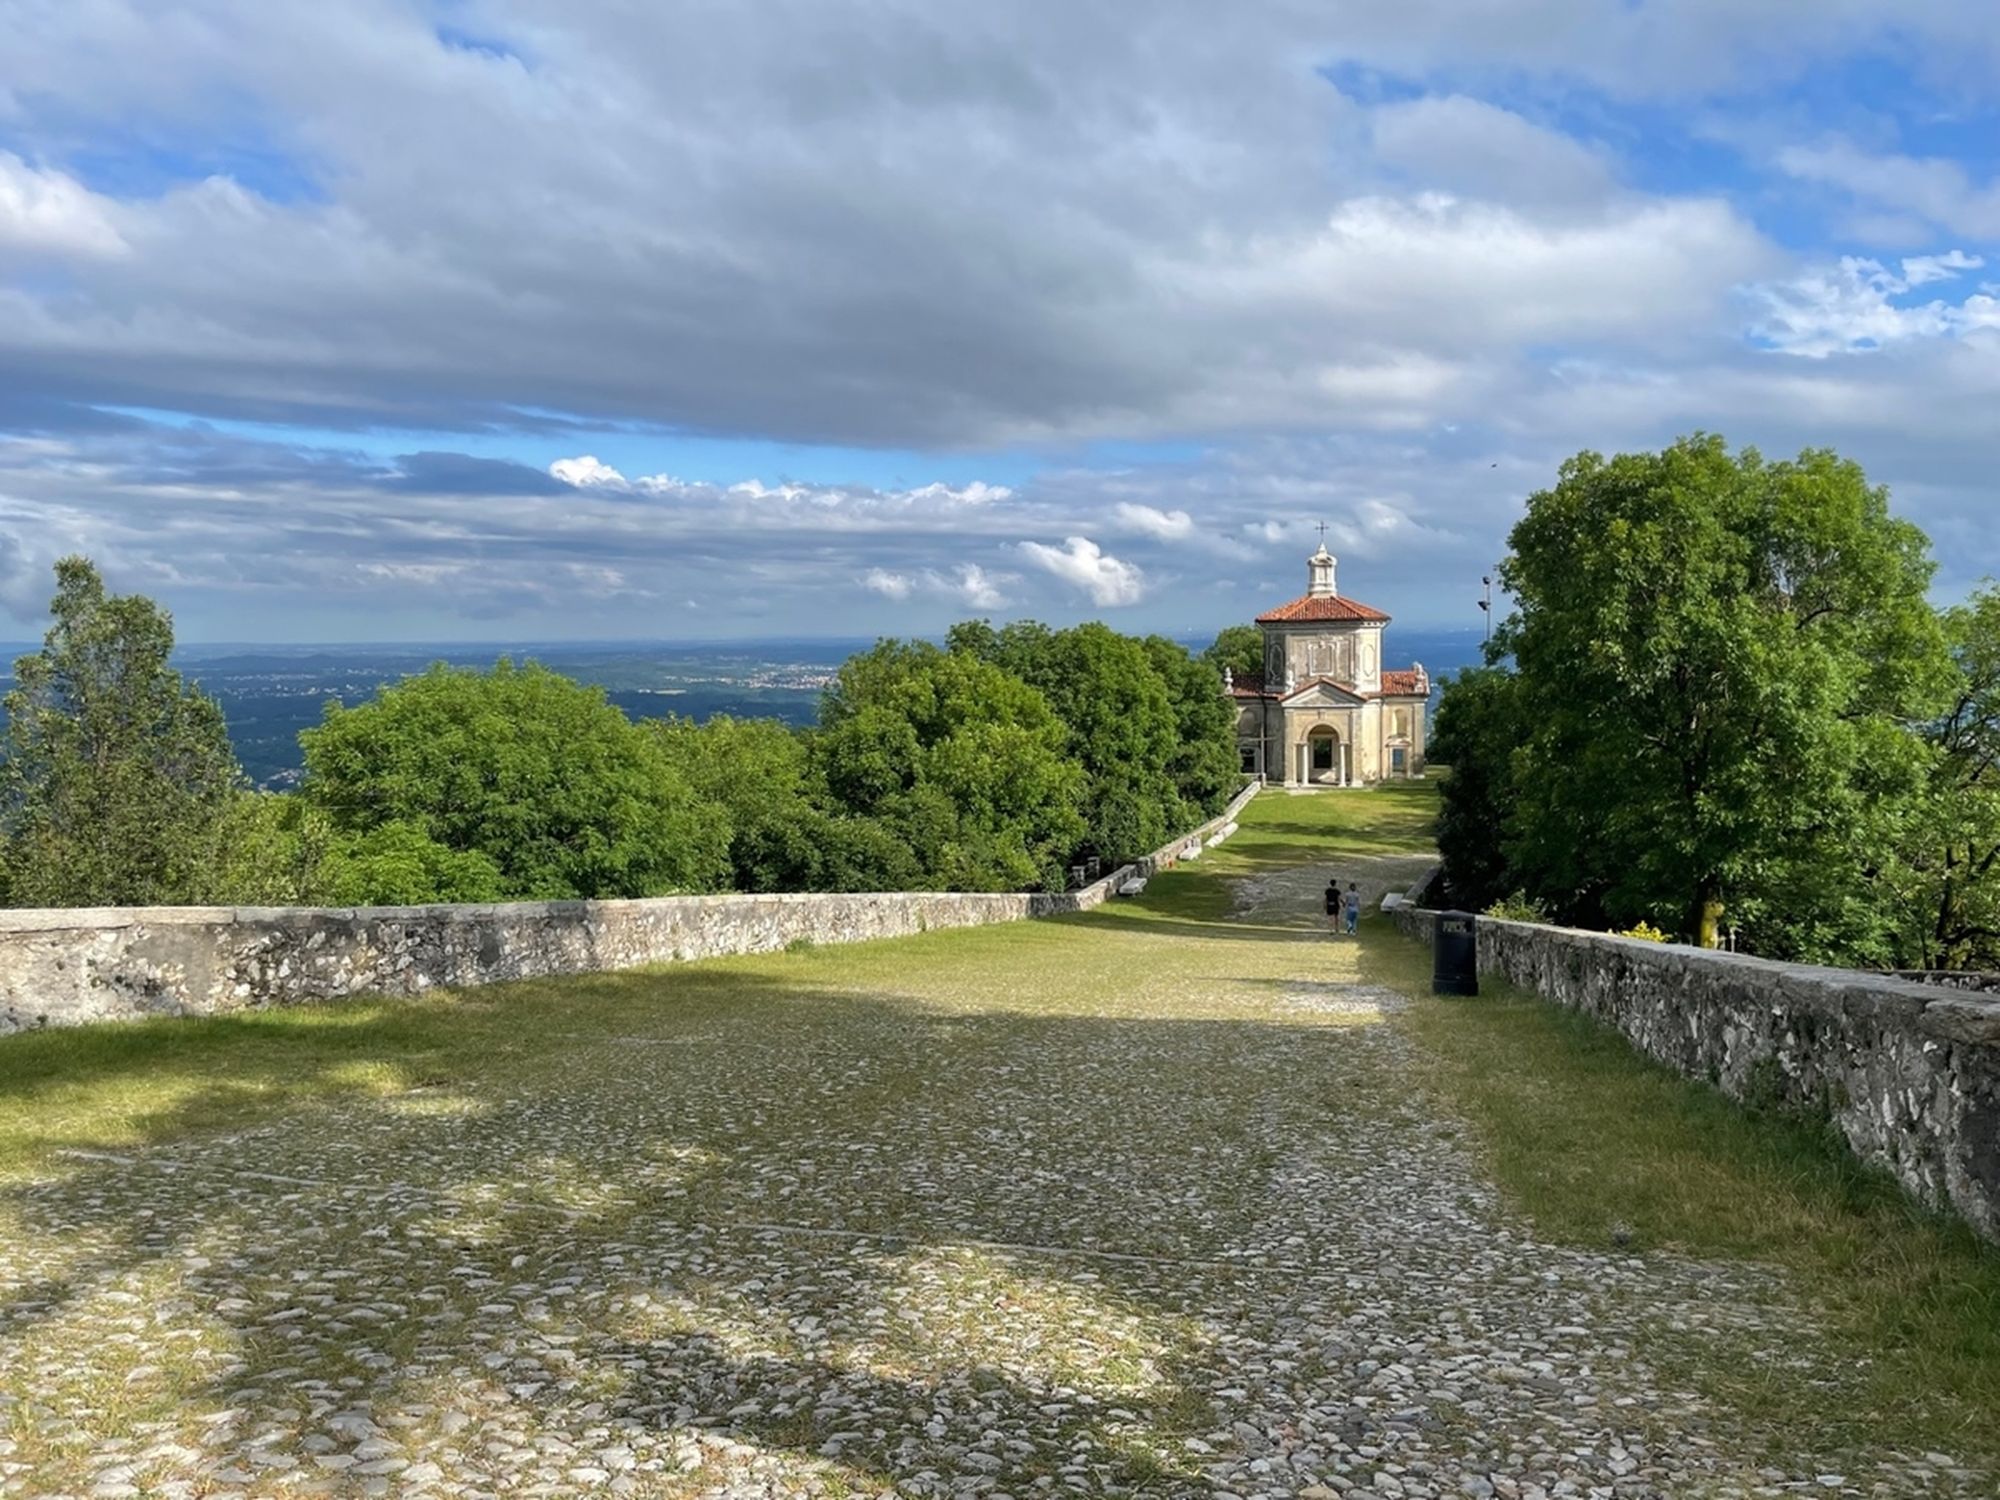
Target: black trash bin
point(1455, 954)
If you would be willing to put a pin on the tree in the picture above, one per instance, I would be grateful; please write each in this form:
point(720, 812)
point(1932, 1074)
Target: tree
point(1121, 723)
point(117, 776)
point(1947, 879)
point(783, 835)
point(273, 850)
point(1205, 767)
point(535, 774)
point(1719, 659)
point(1240, 648)
point(1479, 727)
point(962, 762)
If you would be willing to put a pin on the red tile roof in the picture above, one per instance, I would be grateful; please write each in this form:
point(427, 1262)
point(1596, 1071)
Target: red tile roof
point(1315, 608)
point(1410, 684)
point(1394, 685)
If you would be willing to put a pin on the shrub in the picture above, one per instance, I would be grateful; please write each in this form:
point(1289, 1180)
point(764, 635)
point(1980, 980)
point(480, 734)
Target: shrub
point(1518, 908)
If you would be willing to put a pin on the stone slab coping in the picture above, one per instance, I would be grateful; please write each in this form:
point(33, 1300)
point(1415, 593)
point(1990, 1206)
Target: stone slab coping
point(1952, 1015)
point(49, 919)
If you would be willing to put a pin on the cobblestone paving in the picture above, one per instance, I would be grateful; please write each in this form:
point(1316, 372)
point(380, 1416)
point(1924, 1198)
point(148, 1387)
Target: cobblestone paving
point(1122, 1206)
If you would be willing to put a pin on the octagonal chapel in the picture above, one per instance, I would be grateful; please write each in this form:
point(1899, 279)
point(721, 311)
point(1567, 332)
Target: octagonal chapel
point(1325, 712)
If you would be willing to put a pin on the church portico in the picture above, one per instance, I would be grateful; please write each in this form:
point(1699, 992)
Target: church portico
point(1325, 712)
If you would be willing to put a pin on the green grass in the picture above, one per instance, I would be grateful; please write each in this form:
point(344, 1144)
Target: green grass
point(1588, 1138)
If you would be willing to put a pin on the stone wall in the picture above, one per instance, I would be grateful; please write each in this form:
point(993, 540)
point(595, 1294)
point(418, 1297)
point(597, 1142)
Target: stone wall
point(1909, 1072)
point(65, 967)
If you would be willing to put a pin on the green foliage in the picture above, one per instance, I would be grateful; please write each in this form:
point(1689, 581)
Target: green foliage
point(961, 763)
point(273, 850)
point(1717, 660)
point(1240, 648)
point(118, 779)
point(1126, 719)
point(398, 864)
point(1478, 729)
point(1205, 766)
point(1944, 883)
point(518, 773)
point(786, 834)
point(1518, 906)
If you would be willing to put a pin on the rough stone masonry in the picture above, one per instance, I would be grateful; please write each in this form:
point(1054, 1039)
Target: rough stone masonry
point(66, 967)
point(1909, 1073)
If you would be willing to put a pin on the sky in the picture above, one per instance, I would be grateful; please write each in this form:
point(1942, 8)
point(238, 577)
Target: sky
point(627, 319)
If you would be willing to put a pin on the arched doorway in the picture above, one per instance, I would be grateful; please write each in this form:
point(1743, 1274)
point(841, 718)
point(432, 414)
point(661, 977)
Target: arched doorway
point(1323, 760)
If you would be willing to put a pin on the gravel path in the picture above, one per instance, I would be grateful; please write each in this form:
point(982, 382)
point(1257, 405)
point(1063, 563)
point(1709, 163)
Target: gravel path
point(1107, 1207)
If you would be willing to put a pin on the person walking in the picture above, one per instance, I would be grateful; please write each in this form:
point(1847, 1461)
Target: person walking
point(1333, 905)
point(1353, 908)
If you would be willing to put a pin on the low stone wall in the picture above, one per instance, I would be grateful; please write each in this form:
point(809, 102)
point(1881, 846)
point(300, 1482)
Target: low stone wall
point(66, 967)
point(1953, 979)
point(1909, 1073)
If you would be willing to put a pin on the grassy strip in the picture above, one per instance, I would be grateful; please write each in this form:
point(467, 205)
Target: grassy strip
point(1590, 1139)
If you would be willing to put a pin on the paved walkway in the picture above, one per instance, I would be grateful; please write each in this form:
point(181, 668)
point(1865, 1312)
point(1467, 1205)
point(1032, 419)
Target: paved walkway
point(1140, 1204)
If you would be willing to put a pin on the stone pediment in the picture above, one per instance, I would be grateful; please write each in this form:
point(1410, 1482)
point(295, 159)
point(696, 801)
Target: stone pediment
point(1322, 692)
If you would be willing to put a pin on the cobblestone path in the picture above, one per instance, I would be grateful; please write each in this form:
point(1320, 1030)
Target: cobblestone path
point(1137, 1204)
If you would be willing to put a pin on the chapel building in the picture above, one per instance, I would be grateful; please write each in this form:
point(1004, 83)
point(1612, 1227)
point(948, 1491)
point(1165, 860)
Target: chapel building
point(1324, 712)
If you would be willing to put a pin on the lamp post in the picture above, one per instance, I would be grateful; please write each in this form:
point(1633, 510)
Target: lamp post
point(1486, 604)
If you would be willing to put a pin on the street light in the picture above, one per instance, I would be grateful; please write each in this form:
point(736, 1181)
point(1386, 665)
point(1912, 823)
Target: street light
point(1486, 605)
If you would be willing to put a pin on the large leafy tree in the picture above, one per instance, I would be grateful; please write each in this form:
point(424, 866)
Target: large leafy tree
point(1947, 880)
point(1479, 727)
point(1120, 719)
point(1240, 648)
point(516, 782)
point(784, 833)
point(118, 777)
point(1205, 767)
point(1719, 660)
point(961, 761)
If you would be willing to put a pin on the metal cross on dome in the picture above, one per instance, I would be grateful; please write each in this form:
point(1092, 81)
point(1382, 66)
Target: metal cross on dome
point(1322, 533)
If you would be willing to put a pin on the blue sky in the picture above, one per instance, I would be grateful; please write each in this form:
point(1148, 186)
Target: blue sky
point(479, 319)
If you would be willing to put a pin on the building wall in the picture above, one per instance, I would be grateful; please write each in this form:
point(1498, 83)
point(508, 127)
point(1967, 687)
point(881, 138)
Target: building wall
point(61, 968)
point(1347, 653)
point(1909, 1073)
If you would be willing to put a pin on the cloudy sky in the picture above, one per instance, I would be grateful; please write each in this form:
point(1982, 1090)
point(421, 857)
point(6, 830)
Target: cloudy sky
point(487, 319)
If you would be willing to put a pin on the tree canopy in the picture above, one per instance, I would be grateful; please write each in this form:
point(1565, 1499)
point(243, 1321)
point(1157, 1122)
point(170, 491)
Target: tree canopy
point(962, 761)
point(519, 769)
point(117, 777)
point(1124, 718)
point(1240, 648)
point(1720, 661)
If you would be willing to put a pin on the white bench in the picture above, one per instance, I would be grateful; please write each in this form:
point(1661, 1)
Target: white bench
point(1136, 886)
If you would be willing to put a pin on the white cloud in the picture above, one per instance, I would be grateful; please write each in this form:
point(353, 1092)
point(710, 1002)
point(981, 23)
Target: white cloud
point(967, 583)
point(1850, 307)
point(979, 588)
point(888, 585)
point(1931, 189)
point(1919, 269)
point(586, 471)
point(1166, 525)
point(1082, 563)
point(51, 213)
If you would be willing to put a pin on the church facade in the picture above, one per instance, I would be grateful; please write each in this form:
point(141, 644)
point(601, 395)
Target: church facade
point(1325, 712)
